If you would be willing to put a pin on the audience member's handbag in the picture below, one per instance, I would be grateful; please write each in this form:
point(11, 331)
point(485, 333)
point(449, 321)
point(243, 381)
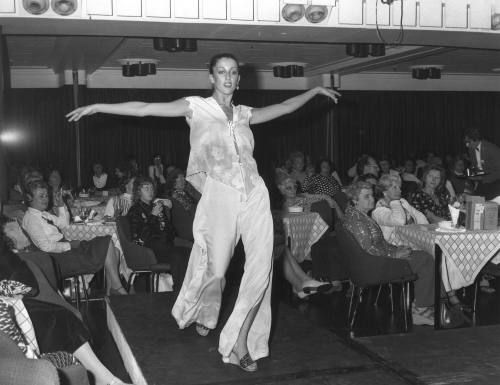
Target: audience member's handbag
point(451, 316)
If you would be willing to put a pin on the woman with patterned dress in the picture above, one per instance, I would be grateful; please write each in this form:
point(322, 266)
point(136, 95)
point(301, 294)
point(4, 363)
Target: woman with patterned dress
point(234, 204)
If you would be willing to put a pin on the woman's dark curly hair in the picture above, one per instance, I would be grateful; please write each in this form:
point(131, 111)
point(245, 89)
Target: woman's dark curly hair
point(171, 178)
point(138, 183)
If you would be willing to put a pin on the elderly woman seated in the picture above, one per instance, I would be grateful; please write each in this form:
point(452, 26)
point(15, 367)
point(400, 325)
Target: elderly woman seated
point(392, 210)
point(120, 204)
point(73, 257)
point(370, 237)
point(432, 199)
point(151, 227)
point(57, 329)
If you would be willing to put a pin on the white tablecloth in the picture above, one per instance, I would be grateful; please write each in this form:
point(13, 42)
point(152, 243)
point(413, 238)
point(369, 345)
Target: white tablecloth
point(304, 230)
point(464, 254)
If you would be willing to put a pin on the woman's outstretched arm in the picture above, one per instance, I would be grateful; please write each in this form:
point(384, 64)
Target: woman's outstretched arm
point(178, 107)
point(264, 114)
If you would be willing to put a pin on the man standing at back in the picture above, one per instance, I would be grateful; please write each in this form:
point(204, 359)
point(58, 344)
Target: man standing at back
point(485, 157)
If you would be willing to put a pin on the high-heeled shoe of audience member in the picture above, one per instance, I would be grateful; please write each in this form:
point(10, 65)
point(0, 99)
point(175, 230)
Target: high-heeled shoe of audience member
point(312, 286)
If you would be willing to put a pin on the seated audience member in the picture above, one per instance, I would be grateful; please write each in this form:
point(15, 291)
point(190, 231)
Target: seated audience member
point(150, 227)
point(177, 189)
point(120, 204)
point(430, 199)
point(408, 172)
point(57, 329)
point(302, 284)
point(385, 166)
point(322, 182)
point(370, 237)
point(298, 169)
point(391, 210)
point(457, 176)
point(133, 166)
point(16, 193)
point(74, 256)
point(57, 192)
point(156, 173)
point(99, 177)
point(120, 175)
point(366, 164)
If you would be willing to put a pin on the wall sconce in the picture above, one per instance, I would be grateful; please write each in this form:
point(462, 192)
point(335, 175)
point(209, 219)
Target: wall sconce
point(138, 67)
point(288, 70)
point(426, 72)
point(175, 44)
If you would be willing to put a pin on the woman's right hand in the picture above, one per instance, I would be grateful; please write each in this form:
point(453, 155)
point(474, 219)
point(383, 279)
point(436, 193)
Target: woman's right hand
point(75, 115)
point(157, 209)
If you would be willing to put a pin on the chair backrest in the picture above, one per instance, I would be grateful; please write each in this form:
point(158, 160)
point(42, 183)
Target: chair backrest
point(324, 210)
point(123, 229)
point(366, 269)
point(342, 200)
point(408, 188)
point(182, 220)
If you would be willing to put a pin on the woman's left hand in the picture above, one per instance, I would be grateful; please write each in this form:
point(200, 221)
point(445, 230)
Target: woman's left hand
point(331, 93)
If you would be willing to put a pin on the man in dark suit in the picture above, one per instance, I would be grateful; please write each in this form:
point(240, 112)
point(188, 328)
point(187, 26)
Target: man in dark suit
point(485, 157)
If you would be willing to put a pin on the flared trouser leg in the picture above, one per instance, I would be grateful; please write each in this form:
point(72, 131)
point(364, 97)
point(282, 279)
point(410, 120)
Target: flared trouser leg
point(222, 216)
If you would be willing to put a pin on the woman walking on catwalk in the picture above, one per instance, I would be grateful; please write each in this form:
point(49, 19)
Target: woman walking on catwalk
point(234, 203)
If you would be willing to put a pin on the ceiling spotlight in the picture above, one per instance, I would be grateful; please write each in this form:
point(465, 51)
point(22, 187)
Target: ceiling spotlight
point(160, 43)
point(190, 45)
point(357, 49)
point(420, 73)
point(64, 7)
point(36, 7)
point(376, 50)
point(316, 13)
point(293, 12)
point(426, 72)
point(138, 67)
point(175, 45)
point(288, 71)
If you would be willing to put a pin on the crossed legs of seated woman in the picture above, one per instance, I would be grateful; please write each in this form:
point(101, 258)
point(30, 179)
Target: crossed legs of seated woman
point(58, 329)
point(302, 284)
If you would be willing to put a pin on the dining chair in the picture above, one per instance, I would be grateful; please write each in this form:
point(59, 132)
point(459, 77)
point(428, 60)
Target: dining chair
point(366, 270)
point(140, 259)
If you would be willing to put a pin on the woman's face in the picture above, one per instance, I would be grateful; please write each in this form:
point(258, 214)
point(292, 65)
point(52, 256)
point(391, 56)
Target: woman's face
point(371, 167)
point(119, 173)
point(147, 193)
point(365, 200)
point(433, 179)
point(409, 166)
point(325, 168)
point(55, 179)
point(393, 193)
point(225, 76)
point(459, 166)
point(157, 160)
point(385, 166)
point(288, 188)
point(40, 199)
point(298, 163)
point(180, 183)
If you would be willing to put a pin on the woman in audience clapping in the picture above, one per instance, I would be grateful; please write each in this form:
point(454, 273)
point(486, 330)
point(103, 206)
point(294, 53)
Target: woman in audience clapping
point(431, 200)
point(74, 256)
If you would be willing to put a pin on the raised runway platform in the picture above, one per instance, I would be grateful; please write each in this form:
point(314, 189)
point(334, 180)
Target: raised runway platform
point(155, 351)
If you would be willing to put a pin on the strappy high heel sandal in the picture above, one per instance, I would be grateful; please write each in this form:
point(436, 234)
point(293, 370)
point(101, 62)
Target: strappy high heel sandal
point(202, 330)
point(246, 363)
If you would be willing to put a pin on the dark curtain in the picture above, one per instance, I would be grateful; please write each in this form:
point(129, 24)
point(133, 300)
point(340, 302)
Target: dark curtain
point(394, 123)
